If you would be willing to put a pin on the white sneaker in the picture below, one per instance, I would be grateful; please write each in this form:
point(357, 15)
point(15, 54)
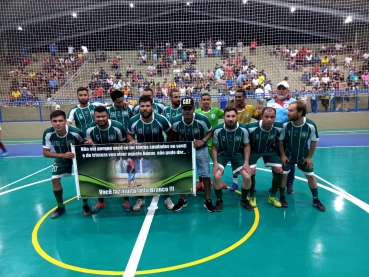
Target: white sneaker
point(169, 203)
point(139, 203)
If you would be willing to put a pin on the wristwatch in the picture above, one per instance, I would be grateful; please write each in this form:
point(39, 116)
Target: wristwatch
point(204, 140)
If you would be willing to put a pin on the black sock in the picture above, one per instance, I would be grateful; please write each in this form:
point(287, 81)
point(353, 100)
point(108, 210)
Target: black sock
point(244, 194)
point(59, 197)
point(253, 184)
point(84, 203)
point(218, 193)
point(276, 183)
point(282, 192)
point(101, 200)
point(314, 192)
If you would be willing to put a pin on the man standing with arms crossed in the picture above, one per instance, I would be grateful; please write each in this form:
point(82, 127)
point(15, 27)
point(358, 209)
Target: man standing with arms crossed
point(117, 111)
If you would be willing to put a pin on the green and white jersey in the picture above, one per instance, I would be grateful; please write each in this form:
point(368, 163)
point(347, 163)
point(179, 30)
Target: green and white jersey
point(62, 144)
point(230, 142)
point(158, 108)
point(171, 113)
point(194, 131)
point(83, 117)
point(261, 141)
point(213, 115)
point(121, 115)
point(148, 132)
point(113, 134)
point(296, 139)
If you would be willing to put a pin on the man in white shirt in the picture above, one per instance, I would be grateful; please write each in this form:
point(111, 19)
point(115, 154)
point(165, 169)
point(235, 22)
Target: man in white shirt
point(218, 48)
point(85, 51)
point(338, 48)
point(366, 55)
point(202, 49)
point(70, 51)
point(255, 81)
point(259, 94)
point(239, 46)
point(268, 90)
point(348, 61)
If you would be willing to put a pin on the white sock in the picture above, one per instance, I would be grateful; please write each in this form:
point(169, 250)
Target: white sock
point(235, 180)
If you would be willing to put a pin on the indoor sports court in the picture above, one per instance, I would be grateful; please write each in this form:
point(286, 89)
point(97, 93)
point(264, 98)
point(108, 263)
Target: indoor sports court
point(294, 241)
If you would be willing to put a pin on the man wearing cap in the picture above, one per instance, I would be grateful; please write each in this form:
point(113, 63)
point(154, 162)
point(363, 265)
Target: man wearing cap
point(280, 103)
point(194, 127)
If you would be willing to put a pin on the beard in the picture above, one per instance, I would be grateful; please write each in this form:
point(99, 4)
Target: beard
point(230, 125)
point(83, 101)
point(146, 114)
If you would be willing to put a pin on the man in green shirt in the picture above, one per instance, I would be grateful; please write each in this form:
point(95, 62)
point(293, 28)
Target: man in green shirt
point(148, 126)
point(174, 109)
point(61, 137)
point(117, 111)
point(158, 107)
point(293, 146)
point(231, 144)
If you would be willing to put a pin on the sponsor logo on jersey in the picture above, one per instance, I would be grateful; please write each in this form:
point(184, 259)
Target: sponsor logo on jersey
point(247, 115)
point(272, 136)
point(139, 130)
point(237, 138)
point(112, 114)
point(304, 134)
point(155, 130)
point(213, 116)
point(80, 116)
point(55, 143)
point(195, 131)
point(111, 137)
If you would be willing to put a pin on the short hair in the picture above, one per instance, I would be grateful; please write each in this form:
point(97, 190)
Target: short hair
point(57, 113)
point(81, 89)
point(300, 106)
point(229, 109)
point(268, 109)
point(205, 94)
point(100, 109)
point(241, 91)
point(148, 89)
point(145, 98)
point(173, 90)
point(116, 94)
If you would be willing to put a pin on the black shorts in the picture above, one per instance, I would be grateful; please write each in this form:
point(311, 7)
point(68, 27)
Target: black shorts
point(325, 102)
point(344, 99)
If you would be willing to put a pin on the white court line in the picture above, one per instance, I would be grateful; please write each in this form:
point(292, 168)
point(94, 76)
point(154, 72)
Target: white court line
point(25, 177)
point(10, 141)
point(352, 131)
point(357, 146)
point(25, 186)
point(13, 157)
point(134, 259)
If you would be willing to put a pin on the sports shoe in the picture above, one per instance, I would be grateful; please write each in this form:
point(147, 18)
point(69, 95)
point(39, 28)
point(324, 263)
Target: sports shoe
point(283, 201)
point(169, 203)
point(98, 207)
point(318, 205)
point(86, 210)
point(274, 201)
point(209, 206)
point(180, 204)
point(224, 186)
point(233, 187)
point(252, 201)
point(290, 189)
point(139, 203)
point(245, 203)
point(58, 212)
point(199, 186)
point(219, 205)
point(127, 206)
point(4, 154)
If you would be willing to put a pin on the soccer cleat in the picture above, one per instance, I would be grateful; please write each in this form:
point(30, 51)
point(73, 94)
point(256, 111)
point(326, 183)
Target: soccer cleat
point(127, 206)
point(98, 207)
point(199, 186)
point(86, 210)
point(169, 203)
point(290, 189)
point(274, 201)
point(283, 201)
point(219, 205)
point(234, 187)
point(139, 203)
point(245, 203)
point(209, 206)
point(58, 212)
point(4, 154)
point(252, 201)
point(318, 205)
point(224, 186)
point(180, 204)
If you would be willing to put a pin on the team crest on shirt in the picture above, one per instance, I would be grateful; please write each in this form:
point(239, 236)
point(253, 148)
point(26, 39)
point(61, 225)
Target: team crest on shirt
point(237, 138)
point(111, 137)
point(80, 116)
point(195, 131)
point(112, 114)
point(247, 115)
point(155, 131)
point(272, 136)
point(257, 136)
point(304, 134)
point(168, 115)
point(213, 116)
point(139, 130)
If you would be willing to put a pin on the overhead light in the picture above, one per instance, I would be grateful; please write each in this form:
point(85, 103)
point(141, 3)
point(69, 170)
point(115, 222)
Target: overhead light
point(20, 28)
point(188, 3)
point(292, 9)
point(131, 5)
point(74, 14)
point(244, 1)
point(348, 19)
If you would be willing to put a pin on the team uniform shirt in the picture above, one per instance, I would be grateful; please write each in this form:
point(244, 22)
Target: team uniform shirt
point(113, 134)
point(213, 115)
point(83, 117)
point(148, 132)
point(171, 113)
point(281, 108)
point(296, 140)
point(247, 114)
point(158, 108)
point(194, 131)
point(62, 144)
point(261, 141)
point(230, 142)
point(121, 115)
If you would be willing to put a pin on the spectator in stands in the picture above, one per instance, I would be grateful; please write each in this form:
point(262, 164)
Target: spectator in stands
point(354, 76)
point(117, 85)
point(345, 98)
point(314, 80)
point(305, 77)
point(348, 61)
point(338, 47)
point(255, 82)
point(106, 87)
point(53, 49)
point(326, 80)
point(316, 59)
point(366, 55)
point(324, 61)
point(129, 70)
point(365, 79)
point(16, 94)
point(313, 99)
point(253, 45)
point(323, 49)
point(53, 85)
point(85, 52)
point(98, 92)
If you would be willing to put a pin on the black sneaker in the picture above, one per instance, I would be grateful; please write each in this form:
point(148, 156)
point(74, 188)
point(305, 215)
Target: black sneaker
point(219, 205)
point(318, 205)
point(246, 204)
point(180, 204)
point(209, 206)
point(58, 212)
point(86, 210)
point(283, 201)
point(290, 189)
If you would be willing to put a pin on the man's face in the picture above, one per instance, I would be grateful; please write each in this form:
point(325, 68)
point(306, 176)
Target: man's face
point(58, 123)
point(205, 101)
point(240, 98)
point(148, 93)
point(187, 112)
point(268, 118)
point(118, 103)
point(293, 114)
point(230, 119)
point(101, 118)
point(282, 92)
point(145, 109)
point(176, 99)
point(83, 97)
